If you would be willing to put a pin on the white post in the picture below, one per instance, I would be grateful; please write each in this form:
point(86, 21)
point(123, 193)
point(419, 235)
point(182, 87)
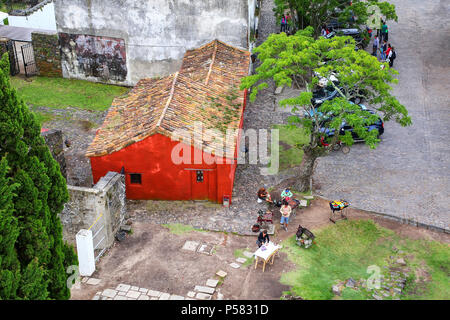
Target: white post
point(85, 250)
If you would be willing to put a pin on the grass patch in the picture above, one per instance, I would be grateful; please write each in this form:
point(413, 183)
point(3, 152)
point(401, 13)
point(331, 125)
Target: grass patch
point(346, 249)
point(239, 253)
point(43, 117)
point(291, 137)
point(179, 229)
point(62, 93)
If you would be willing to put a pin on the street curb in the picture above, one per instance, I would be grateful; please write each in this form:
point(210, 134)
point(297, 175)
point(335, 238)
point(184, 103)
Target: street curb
point(401, 220)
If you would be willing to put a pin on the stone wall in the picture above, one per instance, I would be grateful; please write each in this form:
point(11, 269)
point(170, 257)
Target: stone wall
point(91, 208)
point(155, 34)
point(47, 54)
point(55, 142)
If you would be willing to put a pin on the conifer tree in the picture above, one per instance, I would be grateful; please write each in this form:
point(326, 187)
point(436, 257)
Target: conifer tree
point(40, 195)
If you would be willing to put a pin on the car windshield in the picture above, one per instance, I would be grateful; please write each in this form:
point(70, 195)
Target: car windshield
point(323, 92)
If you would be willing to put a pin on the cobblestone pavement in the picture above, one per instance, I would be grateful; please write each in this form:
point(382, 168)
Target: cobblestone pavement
point(408, 175)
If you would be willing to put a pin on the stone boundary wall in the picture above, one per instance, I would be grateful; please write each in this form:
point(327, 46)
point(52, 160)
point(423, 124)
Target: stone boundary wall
point(86, 205)
point(55, 142)
point(47, 54)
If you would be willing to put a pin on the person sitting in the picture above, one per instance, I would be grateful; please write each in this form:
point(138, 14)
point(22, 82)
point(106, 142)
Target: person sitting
point(263, 238)
point(264, 195)
point(286, 194)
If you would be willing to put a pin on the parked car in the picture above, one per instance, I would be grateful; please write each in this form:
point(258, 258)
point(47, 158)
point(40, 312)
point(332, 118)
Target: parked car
point(379, 125)
point(323, 94)
point(361, 42)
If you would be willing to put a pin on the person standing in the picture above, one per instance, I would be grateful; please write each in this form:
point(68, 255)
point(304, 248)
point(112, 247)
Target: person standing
point(376, 43)
point(285, 214)
point(392, 57)
point(385, 31)
point(383, 50)
point(283, 23)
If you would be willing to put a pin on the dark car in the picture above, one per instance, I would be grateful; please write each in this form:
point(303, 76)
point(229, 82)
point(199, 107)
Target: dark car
point(323, 94)
point(379, 125)
point(354, 33)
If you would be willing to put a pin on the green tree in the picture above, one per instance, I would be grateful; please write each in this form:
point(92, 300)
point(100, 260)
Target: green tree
point(9, 232)
point(40, 195)
point(316, 13)
point(299, 59)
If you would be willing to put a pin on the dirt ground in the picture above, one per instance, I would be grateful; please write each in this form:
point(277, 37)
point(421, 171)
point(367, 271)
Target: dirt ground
point(152, 257)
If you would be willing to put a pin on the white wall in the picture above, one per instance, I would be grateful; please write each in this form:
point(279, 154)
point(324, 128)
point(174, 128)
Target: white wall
point(157, 33)
point(43, 18)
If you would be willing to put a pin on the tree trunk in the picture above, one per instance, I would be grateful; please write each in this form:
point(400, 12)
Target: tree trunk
point(301, 182)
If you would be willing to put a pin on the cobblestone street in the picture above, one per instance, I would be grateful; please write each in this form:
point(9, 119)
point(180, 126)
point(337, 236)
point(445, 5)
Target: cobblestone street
point(408, 174)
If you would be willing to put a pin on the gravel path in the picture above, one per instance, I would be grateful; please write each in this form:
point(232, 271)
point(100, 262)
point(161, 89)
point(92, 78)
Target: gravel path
point(408, 175)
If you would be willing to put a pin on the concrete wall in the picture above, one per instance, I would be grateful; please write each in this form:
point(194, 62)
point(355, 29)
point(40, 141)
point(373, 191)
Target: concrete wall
point(86, 205)
point(156, 33)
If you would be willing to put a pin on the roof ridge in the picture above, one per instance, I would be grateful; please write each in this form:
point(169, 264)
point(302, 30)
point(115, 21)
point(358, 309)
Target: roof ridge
point(212, 63)
point(169, 100)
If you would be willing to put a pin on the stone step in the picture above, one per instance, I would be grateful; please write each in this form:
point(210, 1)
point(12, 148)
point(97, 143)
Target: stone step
point(204, 289)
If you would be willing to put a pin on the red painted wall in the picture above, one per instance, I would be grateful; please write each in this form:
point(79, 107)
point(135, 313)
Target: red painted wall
point(161, 178)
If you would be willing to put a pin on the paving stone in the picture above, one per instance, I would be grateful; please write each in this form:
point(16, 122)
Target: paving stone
point(212, 283)
point(84, 279)
point(154, 298)
point(134, 288)
point(204, 289)
point(164, 296)
point(121, 293)
point(153, 293)
point(133, 294)
point(219, 296)
point(99, 293)
point(189, 299)
point(203, 296)
point(175, 297)
point(96, 297)
point(144, 297)
point(109, 293)
point(93, 281)
point(206, 248)
point(303, 203)
point(191, 245)
point(120, 298)
point(191, 294)
point(235, 265)
point(221, 273)
point(143, 290)
point(123, 287)
point(308, 197)
point(248, 254)
point(241, 260)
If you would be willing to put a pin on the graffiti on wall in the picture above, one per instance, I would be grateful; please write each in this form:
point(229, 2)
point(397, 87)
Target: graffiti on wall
point(94, 56)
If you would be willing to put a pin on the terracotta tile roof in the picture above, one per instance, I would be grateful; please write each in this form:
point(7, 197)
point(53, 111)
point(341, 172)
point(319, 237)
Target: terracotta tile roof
point(205, 90)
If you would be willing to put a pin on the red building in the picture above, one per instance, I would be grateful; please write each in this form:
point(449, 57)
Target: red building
point(176, 138)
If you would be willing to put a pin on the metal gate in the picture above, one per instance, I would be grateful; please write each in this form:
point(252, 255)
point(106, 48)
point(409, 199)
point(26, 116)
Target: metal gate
point(98, 229)
point(29, 63)
point(13, 61)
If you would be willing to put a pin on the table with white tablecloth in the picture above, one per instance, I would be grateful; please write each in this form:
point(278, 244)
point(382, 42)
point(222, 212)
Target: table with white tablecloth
point(265, 253)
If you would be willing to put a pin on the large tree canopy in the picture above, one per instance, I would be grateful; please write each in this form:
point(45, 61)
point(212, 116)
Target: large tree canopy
point(34, 260)
point(299, 59)
point(315, 13)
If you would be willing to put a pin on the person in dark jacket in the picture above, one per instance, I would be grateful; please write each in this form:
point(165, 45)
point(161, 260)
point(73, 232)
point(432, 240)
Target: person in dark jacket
point(262, 238)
